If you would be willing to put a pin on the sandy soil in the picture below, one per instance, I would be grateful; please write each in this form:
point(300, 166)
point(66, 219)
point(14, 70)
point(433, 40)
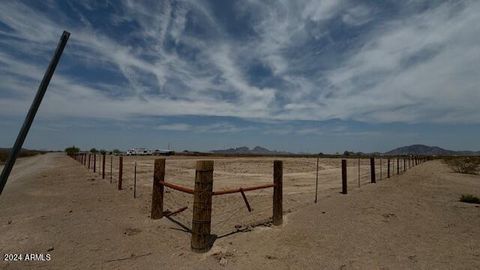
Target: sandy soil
point(413, 221)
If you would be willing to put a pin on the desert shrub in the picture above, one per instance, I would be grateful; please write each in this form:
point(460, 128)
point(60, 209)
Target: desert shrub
point(466, 165)
point(469, 199)
point(72, 150)
point(4, 153)
point(3, 156)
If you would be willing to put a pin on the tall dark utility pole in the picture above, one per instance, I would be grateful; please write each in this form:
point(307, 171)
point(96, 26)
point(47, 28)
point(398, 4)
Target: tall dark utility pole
point(33, 110)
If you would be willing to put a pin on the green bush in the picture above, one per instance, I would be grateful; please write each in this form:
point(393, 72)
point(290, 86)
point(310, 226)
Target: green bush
point(466, 165)
point(72, 150)
point(469, 199)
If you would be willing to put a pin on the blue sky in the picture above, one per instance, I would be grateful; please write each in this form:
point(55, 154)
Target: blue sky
point(300, 76)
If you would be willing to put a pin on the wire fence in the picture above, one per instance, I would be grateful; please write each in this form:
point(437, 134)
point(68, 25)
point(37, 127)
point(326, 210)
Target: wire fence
point(230, 212)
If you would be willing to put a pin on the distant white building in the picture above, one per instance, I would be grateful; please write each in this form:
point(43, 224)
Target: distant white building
point(148, 152)
point(139, 152)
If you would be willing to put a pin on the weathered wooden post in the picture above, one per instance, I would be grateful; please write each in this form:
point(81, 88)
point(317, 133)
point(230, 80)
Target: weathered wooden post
point(202, 206)
point(358, 178)
point(277, 192)
point(381, 168)
point(316, 184)
point(111, 168)
point(103, 166)
point(89, 159)
point(388, 168)
point(404, 165)
point(398, 166)
point(94, 162)
point(158, 189)
point(372, 170)
point(135, 181)
point(120, 172)
point(344, 176)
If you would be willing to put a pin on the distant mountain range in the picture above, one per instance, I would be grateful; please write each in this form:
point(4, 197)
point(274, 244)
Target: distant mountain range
point(257, 150)
point(420, 149)
point(416, 149)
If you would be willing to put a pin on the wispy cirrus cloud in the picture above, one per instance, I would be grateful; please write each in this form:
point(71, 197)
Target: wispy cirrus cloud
point(267, 60)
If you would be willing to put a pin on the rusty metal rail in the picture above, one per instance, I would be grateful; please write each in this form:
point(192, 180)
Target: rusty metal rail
point(239, 190)
point(176, 187)
point(216, 193)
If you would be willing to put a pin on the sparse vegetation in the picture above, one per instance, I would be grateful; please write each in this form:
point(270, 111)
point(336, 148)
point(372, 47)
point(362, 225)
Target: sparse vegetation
point(466, 165)
point(468, 198)
point(72, 150)
point(23, 153)
point(3, 156)
point(93, 150)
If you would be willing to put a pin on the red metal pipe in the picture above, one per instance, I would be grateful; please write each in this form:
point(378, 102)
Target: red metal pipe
point(223, 192)
point(179, 188)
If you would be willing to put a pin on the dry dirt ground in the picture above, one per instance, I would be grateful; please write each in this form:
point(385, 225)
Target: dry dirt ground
point(54, 205)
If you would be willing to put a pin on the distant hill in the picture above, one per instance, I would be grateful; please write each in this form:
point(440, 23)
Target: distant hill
point(420, 149)
point(257, 150)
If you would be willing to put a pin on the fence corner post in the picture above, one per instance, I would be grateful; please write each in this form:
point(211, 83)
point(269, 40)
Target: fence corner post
point(277, 192)
point(158, 189)
point(202, 206)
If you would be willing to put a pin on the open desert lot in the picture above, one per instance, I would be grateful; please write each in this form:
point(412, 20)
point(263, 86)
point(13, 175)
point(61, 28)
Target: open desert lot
point(52, 204)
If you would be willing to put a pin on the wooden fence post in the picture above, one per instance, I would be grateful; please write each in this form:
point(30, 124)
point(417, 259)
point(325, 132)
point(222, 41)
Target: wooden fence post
point(398, 166)
point(404, 165)
point(277, 192)
point(89, 159)
point(111, 168)
point(135, 181)
point(158, 189)
point(94, 162)
point(344, 176)
point(388, 168)
point(120, 172)
point(381, 168)
point(372, 170)
point(358, 178)
point(316, 184)
point(202, 206)
point(103, 167)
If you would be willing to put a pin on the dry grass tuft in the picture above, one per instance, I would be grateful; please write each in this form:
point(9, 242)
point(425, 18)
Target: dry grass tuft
point(466, 165)
point(469, 199)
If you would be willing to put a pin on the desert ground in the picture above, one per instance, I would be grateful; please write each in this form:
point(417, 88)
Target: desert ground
point(52, 204)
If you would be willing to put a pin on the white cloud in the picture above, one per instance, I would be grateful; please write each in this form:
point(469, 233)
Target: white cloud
point(418, 68)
